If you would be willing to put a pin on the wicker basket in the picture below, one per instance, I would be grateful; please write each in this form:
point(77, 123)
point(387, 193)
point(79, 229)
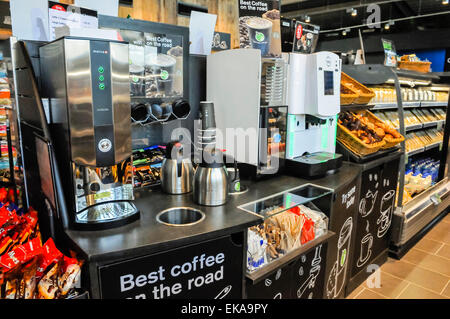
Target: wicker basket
point(364, 93)
point(390, 142)
point(423, 67)
point(355, 144)
point(348, 95)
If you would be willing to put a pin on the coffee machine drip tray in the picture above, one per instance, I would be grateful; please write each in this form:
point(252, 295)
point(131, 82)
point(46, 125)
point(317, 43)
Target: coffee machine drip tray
point(313, 165)
point(107, 215)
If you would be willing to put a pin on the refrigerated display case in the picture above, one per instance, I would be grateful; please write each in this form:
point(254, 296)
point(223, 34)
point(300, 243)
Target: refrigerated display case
point(416, 104)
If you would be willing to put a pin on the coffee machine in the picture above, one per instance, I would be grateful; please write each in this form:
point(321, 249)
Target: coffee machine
point(87, 85)
point(249, 94)
point(314, 104)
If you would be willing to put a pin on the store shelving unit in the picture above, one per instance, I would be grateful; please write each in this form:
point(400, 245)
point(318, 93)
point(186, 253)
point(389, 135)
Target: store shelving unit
point(412, 219)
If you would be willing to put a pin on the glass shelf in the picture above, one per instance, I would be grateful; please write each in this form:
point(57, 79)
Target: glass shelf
point(276, 204)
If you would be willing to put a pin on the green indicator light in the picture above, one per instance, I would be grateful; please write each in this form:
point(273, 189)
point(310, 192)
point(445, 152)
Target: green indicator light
point(101, 78)
point(325, 135)
point(101, 69)
point(101, 86)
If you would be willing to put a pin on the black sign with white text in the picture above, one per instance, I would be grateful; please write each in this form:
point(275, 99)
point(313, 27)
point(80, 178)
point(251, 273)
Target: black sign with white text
point(209, 270)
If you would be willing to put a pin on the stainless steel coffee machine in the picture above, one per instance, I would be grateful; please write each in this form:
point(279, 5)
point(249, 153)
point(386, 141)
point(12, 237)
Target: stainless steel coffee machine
point(249, 94)
point(87, 84)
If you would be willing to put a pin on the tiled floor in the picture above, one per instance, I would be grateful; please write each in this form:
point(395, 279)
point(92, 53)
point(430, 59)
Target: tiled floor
point(423, 273)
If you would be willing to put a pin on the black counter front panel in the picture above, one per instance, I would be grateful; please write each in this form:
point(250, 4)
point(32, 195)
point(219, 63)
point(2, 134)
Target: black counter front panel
point(211, 270)
point(375, 210)
point(302, 278)
point(342, 222)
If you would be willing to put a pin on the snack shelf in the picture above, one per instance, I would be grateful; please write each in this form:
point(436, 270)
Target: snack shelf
point(411, 104)
point(433, 124)
point(384, 106)
point(257, 275)
point(433, 104)
point(412, 127)
point(416, 151)
point(434, 145)
point(422, 125)
point(356, 107)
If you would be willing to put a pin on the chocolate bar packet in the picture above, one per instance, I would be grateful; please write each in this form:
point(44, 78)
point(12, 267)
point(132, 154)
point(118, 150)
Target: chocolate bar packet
point(69, 276)
point(48, 285)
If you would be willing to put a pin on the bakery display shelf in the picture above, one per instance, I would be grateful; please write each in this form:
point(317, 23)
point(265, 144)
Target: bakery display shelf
point(352, 157)
point(261, 273)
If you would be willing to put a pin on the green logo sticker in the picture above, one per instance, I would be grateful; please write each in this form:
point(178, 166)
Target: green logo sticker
point(237, 186)
point(343, 256)
point(164, 75)
point(260, 37)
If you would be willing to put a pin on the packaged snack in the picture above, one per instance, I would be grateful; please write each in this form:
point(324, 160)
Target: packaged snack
point(307, 231)
point(11, 289)
point(20, 254)
point(71, 274)
point(48, 285)
point(5, 244)
point(256, 250)
point(50, 255)
point(28, 282)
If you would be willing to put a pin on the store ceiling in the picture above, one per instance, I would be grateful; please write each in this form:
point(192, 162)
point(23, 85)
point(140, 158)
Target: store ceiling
point(333, 15)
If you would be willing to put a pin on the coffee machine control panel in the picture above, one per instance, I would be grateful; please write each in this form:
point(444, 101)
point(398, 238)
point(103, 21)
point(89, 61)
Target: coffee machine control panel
point(102, 102)
point(328, 77)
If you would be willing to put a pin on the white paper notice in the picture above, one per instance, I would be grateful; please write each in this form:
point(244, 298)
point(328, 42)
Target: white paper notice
point(29, 19)
point(71, 16)
point(105, 7)
point(201, 32)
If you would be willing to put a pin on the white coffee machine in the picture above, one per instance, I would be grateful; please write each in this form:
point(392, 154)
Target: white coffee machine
point(314, 104)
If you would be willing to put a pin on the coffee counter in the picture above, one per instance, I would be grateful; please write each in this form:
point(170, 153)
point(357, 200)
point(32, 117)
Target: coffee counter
point(147, 236)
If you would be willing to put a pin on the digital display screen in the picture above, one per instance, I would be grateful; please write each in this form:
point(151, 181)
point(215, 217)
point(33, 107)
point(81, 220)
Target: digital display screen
point(328, 82)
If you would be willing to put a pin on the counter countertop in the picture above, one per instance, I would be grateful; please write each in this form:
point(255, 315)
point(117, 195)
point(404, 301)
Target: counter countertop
point(146, 236)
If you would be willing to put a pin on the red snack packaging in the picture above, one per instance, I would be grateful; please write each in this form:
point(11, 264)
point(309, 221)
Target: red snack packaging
point(5, 244)
point(50, 255)
point(295, 210)
point(307, 231)
point(21, 254)
point(71, 271)
point(27, 285)
point(3, 194)
point(48, 285)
